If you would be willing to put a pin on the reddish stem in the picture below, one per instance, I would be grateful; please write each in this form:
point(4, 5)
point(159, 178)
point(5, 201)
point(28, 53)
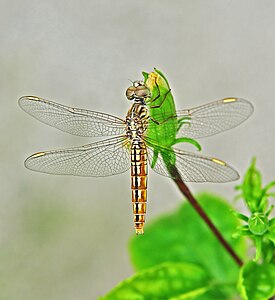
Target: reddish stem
point(186, 192)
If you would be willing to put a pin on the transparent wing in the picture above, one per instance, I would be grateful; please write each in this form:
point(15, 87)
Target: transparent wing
point(104, 158)
point(191, 167)
point(76, 121)
point(211, 118)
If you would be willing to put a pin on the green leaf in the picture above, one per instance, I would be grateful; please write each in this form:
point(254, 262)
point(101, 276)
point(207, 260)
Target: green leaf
point(172, 281)
point(187, 140)
point(257, 282)
point(183, 237)
point(161, 107)
point(252, 187)
point(145, 75)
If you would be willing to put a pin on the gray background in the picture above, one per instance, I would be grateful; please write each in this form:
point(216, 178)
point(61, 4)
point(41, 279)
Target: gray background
point(66, 237)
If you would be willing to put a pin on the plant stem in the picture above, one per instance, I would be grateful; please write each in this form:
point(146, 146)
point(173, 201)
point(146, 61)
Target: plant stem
point(186, 192)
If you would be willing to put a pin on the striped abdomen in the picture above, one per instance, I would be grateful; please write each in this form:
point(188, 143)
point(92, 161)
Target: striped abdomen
point(139, 183)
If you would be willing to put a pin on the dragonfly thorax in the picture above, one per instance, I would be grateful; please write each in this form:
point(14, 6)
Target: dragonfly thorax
point(137, 121)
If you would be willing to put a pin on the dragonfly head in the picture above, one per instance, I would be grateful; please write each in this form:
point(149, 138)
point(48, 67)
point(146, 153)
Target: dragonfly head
point(138, 91)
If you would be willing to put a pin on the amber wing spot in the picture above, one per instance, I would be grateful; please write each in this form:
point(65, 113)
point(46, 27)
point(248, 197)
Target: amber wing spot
point(228, 100)
point(218, 161)
point(38, 154)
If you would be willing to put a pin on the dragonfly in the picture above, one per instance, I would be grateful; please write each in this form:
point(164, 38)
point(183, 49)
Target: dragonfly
point(130, 145)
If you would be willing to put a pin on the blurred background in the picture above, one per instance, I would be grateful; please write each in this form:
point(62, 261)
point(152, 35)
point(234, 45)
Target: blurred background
point(65, 237)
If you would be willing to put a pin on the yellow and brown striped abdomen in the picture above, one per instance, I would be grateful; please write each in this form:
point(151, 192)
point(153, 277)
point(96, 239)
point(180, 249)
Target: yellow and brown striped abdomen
point(139, 183)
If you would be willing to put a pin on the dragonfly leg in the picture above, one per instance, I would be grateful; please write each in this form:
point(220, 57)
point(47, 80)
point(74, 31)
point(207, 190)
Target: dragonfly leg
point(162, 122)
point(163, 99)
point(158, 96)
point(181, 122)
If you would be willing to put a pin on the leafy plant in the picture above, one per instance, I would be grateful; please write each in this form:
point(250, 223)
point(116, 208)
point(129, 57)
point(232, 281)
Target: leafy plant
point(259, 226)
point(257, 277)
point(180, 258)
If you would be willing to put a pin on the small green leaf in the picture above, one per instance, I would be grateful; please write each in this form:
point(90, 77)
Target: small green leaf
point(255, 196)
point(252, 187)
point(172, 281)
point(162, 75)
point(183, 237)
point(257, 282)
point(240, 216)
point(155, 158)
point(145, 75)
point(187, 140)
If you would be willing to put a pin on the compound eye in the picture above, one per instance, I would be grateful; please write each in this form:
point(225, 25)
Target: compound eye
point(142, 92)
point(130, 93)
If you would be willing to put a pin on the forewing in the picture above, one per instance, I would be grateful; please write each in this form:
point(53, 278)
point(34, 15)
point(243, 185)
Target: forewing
point(76, 121)
point(104, 158)
point(192, 167)
point(211, 118)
